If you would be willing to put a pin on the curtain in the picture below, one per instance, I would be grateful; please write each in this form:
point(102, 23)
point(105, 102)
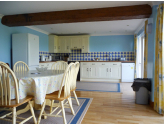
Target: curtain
point(135, 55)
point(159, 63)
point(145, 49)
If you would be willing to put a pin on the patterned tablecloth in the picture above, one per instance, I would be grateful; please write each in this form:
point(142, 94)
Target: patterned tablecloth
point(37, 85)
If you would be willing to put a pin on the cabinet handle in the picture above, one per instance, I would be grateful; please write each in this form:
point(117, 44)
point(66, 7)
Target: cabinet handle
point(114, 64)
point(87, 69)
point(93, 64)
point(67, 47)
point(83, 47)
point(107, 69)
point(103, 64)
point(90, 69)
point(110, 69)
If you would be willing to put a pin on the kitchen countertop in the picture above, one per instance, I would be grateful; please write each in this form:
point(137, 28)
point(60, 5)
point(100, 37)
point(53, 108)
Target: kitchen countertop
point(93, 61)
point(48, 61)
point(110, 61)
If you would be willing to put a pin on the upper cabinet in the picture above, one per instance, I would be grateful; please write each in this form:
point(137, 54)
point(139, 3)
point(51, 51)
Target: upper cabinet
point(85, 44)
point(53, 44)
point(64, 44)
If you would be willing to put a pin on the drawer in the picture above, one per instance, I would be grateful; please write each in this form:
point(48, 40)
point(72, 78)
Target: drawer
point(115, 64)
point(104, 64)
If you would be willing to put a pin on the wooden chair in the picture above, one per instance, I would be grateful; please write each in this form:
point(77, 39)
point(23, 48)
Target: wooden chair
point(20, 66)
point(59, 65)
point(73, 84)
point(61, 95)
point(6, 75)
point(3, 63)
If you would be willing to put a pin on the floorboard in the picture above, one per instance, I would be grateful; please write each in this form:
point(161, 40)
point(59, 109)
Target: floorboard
point(118, 108)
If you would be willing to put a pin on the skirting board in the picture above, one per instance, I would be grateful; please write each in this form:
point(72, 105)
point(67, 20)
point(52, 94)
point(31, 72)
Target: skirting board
point(152, 104)
point(102, 80)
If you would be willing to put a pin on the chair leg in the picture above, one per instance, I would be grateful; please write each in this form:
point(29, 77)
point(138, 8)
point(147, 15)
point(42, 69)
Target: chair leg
point(70, 104)
point(14, 115)
point(32, 111)
point(63, 111)
point(51, 106)
point(42, 109)
point(76, 98)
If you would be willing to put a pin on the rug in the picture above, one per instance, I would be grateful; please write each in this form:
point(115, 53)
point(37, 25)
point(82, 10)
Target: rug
point(98, 86)
point(80, 112)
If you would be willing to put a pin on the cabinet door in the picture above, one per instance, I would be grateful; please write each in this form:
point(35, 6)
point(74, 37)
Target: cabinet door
point(53, 41)
point(104, 70)
point(61, 45)
point(115, 71)
point(84, 71)
point(67, 44)
point(75, 42)
point(85, 44)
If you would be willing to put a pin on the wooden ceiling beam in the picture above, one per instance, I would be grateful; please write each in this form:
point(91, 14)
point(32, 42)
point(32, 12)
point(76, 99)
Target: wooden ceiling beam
point(84, 15)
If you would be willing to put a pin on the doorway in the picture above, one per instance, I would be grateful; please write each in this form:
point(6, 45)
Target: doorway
point(140, 56)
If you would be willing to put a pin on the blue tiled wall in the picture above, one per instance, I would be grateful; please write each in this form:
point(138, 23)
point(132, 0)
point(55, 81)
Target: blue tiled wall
point(76, 55)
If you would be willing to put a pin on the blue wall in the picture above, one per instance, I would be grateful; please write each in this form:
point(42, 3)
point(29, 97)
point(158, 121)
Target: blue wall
point(6, 36)
point(111, 43)
point(151, 51)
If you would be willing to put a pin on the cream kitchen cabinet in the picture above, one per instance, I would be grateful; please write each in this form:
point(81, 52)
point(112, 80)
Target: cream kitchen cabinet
point(100, 71)
point(75, 42)
point(48, 65)
point(64, 44)
point(85, 44)
point(89, 70)
point(53, 44)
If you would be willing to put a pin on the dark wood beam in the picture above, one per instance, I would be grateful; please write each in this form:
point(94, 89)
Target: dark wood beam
point(84, 15)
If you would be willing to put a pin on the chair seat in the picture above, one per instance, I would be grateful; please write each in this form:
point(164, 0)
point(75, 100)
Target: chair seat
point(15, 104)
point(54, 96)
point(70, 90)
point(73, 89)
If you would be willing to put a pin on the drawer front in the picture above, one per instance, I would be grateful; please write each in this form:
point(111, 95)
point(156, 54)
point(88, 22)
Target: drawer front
point(103, 64)
point(115, 63)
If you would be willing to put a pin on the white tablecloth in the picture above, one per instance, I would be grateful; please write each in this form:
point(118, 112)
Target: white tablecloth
point(37, 85)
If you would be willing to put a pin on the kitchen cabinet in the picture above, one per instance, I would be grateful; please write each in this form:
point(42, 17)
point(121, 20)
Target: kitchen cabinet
point(53, 44)
point(75, 42)
point(84, 44)
point(48, 65)
point(100, 71)
point(89, 70)
point(64, 44)
point(115, 70)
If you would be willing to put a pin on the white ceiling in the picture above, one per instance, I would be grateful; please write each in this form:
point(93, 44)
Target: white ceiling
point(93, 28)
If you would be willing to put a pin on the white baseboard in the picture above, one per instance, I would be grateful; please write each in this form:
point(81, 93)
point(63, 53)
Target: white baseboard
point(101, 80)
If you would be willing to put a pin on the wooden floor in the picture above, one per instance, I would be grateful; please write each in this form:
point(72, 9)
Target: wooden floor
point(118, 108)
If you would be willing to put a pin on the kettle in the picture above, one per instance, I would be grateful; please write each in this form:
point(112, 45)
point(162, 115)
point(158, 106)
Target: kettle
point(50, 58)
point(42, 58)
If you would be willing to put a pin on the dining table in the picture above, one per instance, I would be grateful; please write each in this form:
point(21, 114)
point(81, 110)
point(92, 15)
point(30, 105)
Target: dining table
point(37, 84)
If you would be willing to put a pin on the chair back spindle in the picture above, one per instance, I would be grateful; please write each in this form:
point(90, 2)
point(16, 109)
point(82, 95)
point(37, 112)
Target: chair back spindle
point(20, 67)
point(67, 80)
point(6, 77)
point(59, 65)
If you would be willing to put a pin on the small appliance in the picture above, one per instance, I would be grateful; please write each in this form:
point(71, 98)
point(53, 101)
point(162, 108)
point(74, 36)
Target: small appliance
point(50, 58)
point(42, 58)
point(122, 59)
point(55, 58)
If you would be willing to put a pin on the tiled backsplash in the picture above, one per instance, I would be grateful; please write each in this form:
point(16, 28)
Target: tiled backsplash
point(76, 55)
